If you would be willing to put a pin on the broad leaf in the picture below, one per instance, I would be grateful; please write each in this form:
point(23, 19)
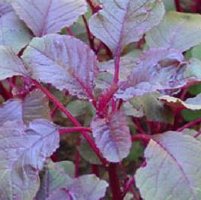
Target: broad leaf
point(13, 32)
point(63, 61)
point(122, 22)
point(23, 150)
point(33, 106)
point(177, 30)
point(112, 136)
point(57, 184)
point(155, 70)
point(172, 168)
point(49, 16)
point(10, 64)
point(190, 103)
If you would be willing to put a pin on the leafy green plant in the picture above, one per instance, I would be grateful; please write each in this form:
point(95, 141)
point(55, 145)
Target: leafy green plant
point(98, 100)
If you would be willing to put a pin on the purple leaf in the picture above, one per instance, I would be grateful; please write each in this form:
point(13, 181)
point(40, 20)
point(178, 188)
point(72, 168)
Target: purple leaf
point(57, 184)
point(49, 16)
point(87, 187)
point(23, 150)
point(10, 64)
point(13, 32)
point(172, 168)
point(63, 61)
point(155, 70)
point(112, 136)
point(5, 7)
point(122, 22)
point(34, 106)
point(177, 30)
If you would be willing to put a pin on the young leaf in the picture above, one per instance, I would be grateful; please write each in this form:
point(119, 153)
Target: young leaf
point(13, 32)
point(10, 64)
point(173, 168)
point(34, 106)
point(23, 151)
point(122, 22)
point(177, 30)
point(155, 70)
point(112, 136)
point(49, 16)
point(63, 61)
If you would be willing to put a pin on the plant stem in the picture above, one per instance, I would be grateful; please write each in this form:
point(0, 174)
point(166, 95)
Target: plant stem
point(73, 129)
point(177, 5)
point(190, 124)
point(72, 119)
point(117, 65)
point(141, 137)
point(90, 36)
point(128, 185)
point(114, 182)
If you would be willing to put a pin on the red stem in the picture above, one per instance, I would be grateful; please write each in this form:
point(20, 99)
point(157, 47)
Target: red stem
point(73, 129)
point(90, 36)
point(141, 137)
point(177, 5)
point(190, 124)
point(71, 117)
point(114, 182)
point(128, 185)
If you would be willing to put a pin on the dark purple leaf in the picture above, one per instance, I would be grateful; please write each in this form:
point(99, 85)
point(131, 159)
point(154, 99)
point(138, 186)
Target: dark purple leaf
point(10, 64)
point(34, 106)
point(23, 150)
point(155, 70)
point(172, 168)
point(49, 16)
point(13, 32)
point(112, 136)
point(122, 22)
point(63, 61)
